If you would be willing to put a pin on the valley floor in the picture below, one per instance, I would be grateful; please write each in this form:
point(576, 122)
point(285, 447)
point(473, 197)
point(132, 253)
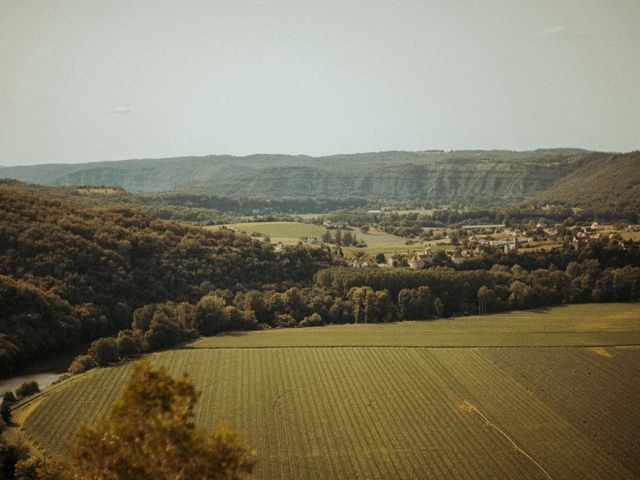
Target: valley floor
point(548, 394)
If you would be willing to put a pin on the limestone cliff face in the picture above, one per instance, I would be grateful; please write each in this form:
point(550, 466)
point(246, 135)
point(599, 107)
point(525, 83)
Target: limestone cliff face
point(469, 182)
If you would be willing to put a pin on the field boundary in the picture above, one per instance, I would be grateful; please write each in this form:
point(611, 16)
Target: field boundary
point(473, 347)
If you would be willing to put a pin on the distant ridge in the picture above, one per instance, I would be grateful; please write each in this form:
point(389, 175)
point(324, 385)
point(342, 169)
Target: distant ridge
point(465, 177)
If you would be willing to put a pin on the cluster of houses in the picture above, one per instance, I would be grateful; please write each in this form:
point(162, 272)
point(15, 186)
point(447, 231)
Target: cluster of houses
point(497, 236)
point(510, 239)
point(580, 236)
point(482, 238)
point(426, 259)
point(416, 260)
point(477, 240)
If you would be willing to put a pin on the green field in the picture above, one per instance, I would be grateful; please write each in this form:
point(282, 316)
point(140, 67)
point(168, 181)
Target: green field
point(290, 233)
point(381, 242)
point(528, 395)
point(586, 325)
point(285, 232)
point(626, 234)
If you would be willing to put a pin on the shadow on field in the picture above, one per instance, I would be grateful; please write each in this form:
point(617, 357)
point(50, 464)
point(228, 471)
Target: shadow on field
point(188, 345)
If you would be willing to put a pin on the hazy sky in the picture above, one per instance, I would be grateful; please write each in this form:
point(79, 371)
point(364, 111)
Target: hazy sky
point(104, 80)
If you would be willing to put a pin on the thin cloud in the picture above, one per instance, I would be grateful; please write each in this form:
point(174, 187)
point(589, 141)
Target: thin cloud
point(119, 111)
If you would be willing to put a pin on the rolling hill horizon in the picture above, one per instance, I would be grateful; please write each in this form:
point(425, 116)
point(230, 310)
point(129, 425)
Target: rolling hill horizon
point(465, 177)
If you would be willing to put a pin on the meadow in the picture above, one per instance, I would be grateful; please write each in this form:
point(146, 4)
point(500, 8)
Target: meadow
point(290, 233)
point(543, 394)
point(285, 232)
point(381, 242)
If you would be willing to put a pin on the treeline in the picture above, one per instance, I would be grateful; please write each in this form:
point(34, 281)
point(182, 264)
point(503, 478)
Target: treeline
point(507, 288)
point(347, 295)
point(71, 274)
point(411, 224)
point(341, 239)
point(193, 215)
point(161, 325)
point(253, 206)
point(521, 215)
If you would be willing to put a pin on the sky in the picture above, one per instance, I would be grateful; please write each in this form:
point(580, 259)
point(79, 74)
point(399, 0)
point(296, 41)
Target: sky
point(93, 80)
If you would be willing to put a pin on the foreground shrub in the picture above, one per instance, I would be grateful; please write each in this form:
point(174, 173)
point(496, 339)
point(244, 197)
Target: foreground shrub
point(16, 463)
point(240, 319)
point(34, 468)
point(81, 364)
point(104, 351)
point(150, 433)
point(10, 454)
point(130, 343)
point(8, 398)
point(285, 320)
point(164, 332)
point(211, 316)
point(26, 389)
point(313, 320)
point(5, 413)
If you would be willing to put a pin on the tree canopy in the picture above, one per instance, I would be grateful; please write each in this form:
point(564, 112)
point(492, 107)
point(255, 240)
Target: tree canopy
point(150, 434)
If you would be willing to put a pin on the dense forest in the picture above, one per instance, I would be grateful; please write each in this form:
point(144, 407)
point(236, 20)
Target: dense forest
point(431, 178)
point(70, 274)
point(612, 182)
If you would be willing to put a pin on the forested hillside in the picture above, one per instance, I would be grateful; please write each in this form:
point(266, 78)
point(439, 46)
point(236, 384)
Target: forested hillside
point(199, 209)
point(69, 274)
point(248, 184)
point(83, 196)
point(437, 177)
point(612, 181)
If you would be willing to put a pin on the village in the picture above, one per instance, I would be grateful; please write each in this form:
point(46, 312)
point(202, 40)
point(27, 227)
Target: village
point(375, 245)
point(472, 241)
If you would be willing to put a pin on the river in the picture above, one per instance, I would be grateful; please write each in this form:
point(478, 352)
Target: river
point(45, 371)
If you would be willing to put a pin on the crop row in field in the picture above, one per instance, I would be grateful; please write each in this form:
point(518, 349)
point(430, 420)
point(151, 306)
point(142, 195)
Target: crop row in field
point(592, 388)
point(348, 412)
point(356, 408)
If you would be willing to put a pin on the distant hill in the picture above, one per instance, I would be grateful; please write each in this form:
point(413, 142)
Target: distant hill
point(611, 180)
point(469, 177)
point(84, 196)
point(464, 181)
